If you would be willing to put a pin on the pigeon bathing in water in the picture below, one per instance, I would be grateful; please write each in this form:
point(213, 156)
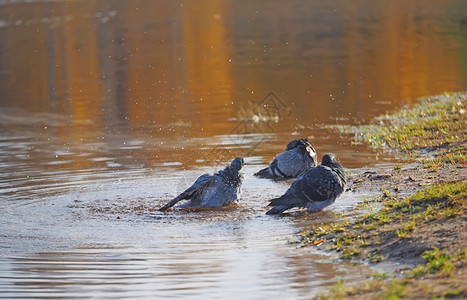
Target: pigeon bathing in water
point(297, 157)
point(215, 190)
point(314, 189)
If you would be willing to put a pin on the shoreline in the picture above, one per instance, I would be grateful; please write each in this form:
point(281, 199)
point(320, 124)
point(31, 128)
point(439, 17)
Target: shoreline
point(417, 241)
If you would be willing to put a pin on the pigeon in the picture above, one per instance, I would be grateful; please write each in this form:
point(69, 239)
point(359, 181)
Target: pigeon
point(216, 190)
point(297, 157)
point(314, 189)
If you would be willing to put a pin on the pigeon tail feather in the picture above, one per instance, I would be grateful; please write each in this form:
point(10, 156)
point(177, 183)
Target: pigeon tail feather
point(170, 204)
point(264, 173)
point(284, 203)
point(286, 200)
point(185, 195)
point(277, 210)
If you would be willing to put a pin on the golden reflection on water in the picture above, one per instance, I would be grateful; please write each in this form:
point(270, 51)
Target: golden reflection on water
point(181, 70)
point(208, 55)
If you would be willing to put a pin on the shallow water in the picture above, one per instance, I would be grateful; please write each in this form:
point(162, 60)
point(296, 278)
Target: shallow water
point(109, 241)
point(108, 109)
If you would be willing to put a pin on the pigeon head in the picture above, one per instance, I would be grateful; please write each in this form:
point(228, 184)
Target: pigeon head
point(298, 143)
point(304, 146)
point(329, 159)
point(238, 163)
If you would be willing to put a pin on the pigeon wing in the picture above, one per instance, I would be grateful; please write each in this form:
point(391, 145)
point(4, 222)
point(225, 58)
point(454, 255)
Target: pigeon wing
point(318, 184)
point(202, 183)
point(289, 163)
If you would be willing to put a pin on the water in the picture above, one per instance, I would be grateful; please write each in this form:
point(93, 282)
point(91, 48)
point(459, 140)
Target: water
point(108, 109)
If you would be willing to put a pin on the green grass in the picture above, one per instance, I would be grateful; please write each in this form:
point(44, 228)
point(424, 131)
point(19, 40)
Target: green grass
point(436, 260)
point(438, 265)
point(397, 220)
point(438, 125)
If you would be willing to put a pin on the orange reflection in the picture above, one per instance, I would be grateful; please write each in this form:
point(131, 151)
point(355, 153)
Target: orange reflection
point(169, 70)
point(148, 60)
point(208, 58)
point(407, 59)
point(76, 86)
point(80, 62)
point(176, 60)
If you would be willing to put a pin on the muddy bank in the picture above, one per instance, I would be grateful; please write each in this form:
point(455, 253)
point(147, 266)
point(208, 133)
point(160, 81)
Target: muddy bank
point(415, 235)
point(406, 180)
point(397, 186)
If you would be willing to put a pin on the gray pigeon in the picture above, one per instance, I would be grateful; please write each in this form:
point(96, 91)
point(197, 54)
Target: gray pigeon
point(215, 190)
point(314, 189)
point(297, 157)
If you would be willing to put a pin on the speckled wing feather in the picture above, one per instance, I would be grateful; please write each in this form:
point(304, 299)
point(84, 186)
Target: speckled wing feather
point(317, 184)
